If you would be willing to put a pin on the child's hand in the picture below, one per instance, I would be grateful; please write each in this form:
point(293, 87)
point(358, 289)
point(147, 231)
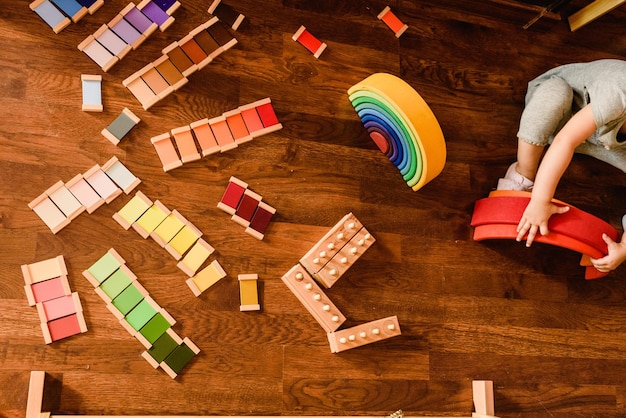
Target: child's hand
point(535, 218)
point(616, 256)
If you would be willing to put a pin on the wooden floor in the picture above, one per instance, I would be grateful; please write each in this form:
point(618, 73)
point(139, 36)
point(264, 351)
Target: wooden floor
point(553, 343)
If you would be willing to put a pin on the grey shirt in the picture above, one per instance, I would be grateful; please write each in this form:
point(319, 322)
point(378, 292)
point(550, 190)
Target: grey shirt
point(602, 83)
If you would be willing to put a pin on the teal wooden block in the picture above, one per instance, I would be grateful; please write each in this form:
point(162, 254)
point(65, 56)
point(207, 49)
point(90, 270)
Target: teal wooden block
point(154, 328)
point(140, 315)
point(128, 299)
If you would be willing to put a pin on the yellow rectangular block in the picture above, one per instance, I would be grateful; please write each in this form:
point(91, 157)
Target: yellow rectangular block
point(168, 228)
point(195, 257)
point(183, 241)
point(248, 292)
point(132, 210)
point(206, 278)
point(151, 219)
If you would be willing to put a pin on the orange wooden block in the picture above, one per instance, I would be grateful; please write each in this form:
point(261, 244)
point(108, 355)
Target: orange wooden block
point(165, 150)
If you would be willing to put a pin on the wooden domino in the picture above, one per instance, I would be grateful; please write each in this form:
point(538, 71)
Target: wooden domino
point(248, 292)
point(92, 93)
point(226, 14)
point(121, 126)
point(206, 278)
point(309, 41)
point(304, 287)
point(392, 21)
point(121, 175)
point(363, 334)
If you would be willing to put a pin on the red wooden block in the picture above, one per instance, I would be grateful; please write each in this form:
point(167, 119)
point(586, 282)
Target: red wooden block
point(65, 327)
point(310, 42)
point(49, 289)
point(260, 220)
point(267, 114)
point(232, 196)
point(247, 207)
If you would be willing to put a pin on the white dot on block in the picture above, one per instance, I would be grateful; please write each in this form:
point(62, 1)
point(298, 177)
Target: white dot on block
point(326, 308)
point(335, 318)
point(344, 260)
point(322, 254)
point(362, 334)
point(299, 276)
point(375, 331)
point(340, 236)
point(317, 296)
point(308, 286)
point(330, 246)
point(352, 337)
point(353, 250)
point(333, 272)
point(343, 340)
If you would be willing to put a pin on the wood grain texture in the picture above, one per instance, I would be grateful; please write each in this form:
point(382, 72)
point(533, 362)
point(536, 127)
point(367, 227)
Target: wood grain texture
point(553, 343)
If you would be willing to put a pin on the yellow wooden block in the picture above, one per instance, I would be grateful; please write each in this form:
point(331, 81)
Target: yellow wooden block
point(168, 228)
point(151, 219)
point(194, 258)
point(248, 292)
point(132, 210)
point(183, 241)
point(206, 278)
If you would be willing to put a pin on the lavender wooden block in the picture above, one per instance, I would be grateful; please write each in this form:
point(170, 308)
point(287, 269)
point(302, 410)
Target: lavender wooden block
point(126, 31)
point(136, 18)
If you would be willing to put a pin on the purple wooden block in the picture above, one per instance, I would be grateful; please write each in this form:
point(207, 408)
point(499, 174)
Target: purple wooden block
point(155, 13)
point(138, 20)
point(164, 4)
point(126, 31)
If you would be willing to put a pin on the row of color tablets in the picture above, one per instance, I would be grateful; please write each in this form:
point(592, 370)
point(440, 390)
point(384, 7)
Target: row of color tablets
point(58, 14)
point(139, 314)
point(246, 207)
point(63, 202)
point(180, 59)
point(173, 232)
point(219, 134)
point(47, 288)
point(126, 31)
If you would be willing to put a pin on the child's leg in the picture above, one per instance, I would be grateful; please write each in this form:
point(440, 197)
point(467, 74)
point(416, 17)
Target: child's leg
point(548, 108)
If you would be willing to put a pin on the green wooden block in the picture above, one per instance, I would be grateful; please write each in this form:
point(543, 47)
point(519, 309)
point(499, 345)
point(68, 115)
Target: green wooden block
point(154, 328)
point(162, 347)
point(116, 283)
point(140, 315)
point(128, 299)
point(179, 358)
point(104, 267)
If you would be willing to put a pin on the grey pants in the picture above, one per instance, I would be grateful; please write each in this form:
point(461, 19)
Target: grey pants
point(548, 108)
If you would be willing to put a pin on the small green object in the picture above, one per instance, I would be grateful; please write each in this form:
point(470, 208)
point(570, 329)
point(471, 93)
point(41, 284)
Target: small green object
point(179, 358)
point(128, 299)
point(116, 283)
point(122, 124)
point(154, 328)
point(162, 347)
point(140, 315)
point(104, 267)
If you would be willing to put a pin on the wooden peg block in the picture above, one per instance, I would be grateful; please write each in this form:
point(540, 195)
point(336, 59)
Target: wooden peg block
point(304, 287)
point(363, 334)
